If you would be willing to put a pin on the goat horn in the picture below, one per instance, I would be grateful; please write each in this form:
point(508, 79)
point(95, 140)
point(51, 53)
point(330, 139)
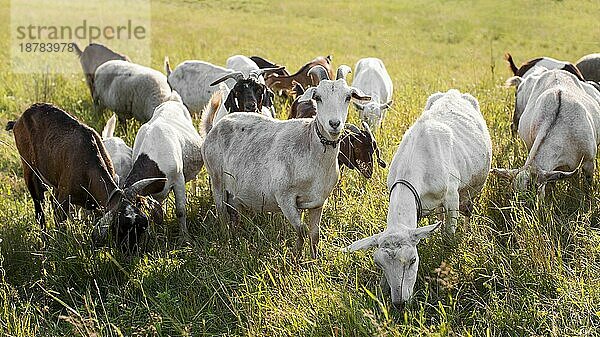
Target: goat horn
point(237, 75)
point(138, 186)
point(342, 72)
point(320, 72)
point(265, 71)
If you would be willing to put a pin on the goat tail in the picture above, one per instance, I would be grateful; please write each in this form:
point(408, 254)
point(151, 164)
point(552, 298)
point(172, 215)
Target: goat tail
point(550, 111)
point(10, 125)
point(167, 66)
point(209, 112)
point(76, 49)
point(511, 63)
point(109, 128)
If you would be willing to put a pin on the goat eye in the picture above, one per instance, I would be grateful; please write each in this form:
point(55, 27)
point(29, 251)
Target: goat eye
point(318, 98)
point(347, 98)
point(413, 261)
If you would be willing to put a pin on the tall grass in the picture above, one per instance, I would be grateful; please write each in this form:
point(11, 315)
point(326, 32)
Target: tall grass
point(522, 267)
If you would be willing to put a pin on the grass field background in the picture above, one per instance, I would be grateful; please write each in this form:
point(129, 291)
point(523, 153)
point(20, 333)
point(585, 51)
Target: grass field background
point(521, 267)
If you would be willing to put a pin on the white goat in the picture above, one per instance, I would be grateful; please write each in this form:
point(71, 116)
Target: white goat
point(192, 79)
point(589, 66)
point(129, 89)
point(263, 164)
point(168, 146)
point(373, 79)
point(526, 68)
point(442, 162)
point(560, 125)
point(120, 153)
point(244, 64)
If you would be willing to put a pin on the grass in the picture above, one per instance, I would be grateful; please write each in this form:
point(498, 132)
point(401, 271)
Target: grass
point(522, 267)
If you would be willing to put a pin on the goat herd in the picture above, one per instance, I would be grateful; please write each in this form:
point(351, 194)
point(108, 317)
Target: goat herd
point(259, 163)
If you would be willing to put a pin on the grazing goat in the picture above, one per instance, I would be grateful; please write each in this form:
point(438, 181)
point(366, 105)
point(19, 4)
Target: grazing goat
point(442, 162)
point(58, 151)
point(357, 148)
point(129, 90)
point(279, 83)
point(192, 79)
point(263, 164)
point(119, 152)
point(547, 62)
point(247, 95)
point(560, 125)
point(373, 79)
point(92, 57)
point(167, 146)
point(589, 66)
point(262, 64)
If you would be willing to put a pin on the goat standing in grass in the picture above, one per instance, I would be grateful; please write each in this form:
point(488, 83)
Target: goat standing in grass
point(442, 162)
point(263, 164)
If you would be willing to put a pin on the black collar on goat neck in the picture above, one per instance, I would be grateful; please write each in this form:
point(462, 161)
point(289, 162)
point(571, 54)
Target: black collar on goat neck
point(415, 194)
point(324, 140)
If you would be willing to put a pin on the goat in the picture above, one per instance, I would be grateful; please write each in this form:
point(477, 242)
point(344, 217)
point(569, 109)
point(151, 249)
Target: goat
point(58, 151)
point(263, 164)
point(167, 146)
point(92, 57)
point(119, 152)
point(442, 161)
point(191, 79)
point(560, 125)
point(589, 66)
point(243, 64)
point(129, 90)
point(262, 64)
point(547, 62)
point(279, 83)
point(247, 95)
point(373, 79)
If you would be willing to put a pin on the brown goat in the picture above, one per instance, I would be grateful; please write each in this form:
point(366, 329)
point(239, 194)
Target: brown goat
point(92, 57)
point(286, 83)
point(544, 61)
point(263, 64)
point(58, 151)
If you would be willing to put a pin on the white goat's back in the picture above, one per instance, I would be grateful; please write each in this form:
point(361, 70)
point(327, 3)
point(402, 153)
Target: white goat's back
point(371, 76)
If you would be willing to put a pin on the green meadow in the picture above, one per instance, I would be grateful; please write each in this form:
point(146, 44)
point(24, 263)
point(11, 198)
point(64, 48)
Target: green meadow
point(522, 267)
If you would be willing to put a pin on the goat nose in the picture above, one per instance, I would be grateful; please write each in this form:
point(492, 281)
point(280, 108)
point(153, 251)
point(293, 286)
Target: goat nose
point(250, 107)
point(334, 124)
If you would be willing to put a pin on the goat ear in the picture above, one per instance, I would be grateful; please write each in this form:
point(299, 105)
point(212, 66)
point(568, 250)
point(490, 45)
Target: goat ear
point(420, 233)
point(361, 244)
point(308, 94)
point(469, 98)
point(230, 103)
point(115, 200)
point(504, 173)
point(358, 95)
point(432, 99)
point(514, 81)
point(268, 97)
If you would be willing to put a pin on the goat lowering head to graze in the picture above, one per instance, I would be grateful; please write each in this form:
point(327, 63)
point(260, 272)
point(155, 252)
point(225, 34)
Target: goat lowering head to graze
point(560, 124)
point(373, 79)
point(247, 95)
point(286, 83)
point(441, 163)
point(168, 146)
point(129, 90)
point(264, 164)
point(92, 57)
point(263, 63)
point(357, 148)
point(58, 151)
